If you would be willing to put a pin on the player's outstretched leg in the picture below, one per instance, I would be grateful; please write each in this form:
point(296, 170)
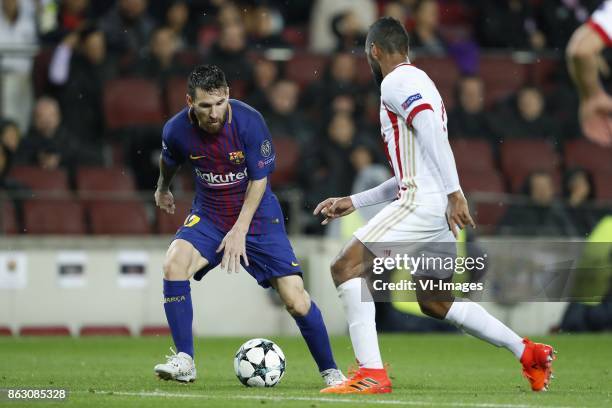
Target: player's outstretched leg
point(347, 269)
point(181, 261)
point(310, 322)
point(535, 358)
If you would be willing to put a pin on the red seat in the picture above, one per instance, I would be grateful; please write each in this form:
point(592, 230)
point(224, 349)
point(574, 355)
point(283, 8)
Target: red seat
point(155, 331)
point(118, 217)
point(132, 102)
point(296, 36)
point(583, 153)
point(472, 154)
point(40, 71)
point(53, 217)
point(5, 331)
point(304, 68)
point(603, 185)
point(44, 331)
point(502, 76)
point(96, 330)
point(287, 158)
point(444, 73)
point(39, 179)
point(489, 181)
point(363, 72)
point(8, 218)
point(487, 215)
point(169, 223)
point(519, 157)
point(101, 179)
point(176, 91)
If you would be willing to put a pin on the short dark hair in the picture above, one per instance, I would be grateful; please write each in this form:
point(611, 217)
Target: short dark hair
point(207, 78)
point(389, 35)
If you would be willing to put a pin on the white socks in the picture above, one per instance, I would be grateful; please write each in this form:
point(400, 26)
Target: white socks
point(475, 320)
point(361, 317)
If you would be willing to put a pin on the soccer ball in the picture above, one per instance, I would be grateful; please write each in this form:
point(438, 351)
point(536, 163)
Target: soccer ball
point(259, 363)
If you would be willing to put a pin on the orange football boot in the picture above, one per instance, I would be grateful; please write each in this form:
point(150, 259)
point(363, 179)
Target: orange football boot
point(537, 362)
point(364, 381)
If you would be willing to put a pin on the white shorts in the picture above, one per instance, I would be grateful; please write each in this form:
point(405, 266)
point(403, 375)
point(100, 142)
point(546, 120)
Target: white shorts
point(405, 228)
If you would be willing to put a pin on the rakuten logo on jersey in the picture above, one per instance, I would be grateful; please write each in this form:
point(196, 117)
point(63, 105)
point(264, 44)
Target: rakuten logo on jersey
point(219, 180)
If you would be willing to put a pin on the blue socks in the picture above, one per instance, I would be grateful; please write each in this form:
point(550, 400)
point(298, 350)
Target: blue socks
point(314, 332)
point(179, 313)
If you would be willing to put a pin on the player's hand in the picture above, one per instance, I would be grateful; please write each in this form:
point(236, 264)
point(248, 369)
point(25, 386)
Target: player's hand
point(595, 114)
point(334, 207)
point(233, 247)
point(165, 201)
point(458, 213)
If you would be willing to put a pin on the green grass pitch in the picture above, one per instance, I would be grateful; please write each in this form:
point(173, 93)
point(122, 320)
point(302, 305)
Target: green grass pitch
point(427, 370)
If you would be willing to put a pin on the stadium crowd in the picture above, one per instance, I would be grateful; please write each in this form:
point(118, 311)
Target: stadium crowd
point(104, 76)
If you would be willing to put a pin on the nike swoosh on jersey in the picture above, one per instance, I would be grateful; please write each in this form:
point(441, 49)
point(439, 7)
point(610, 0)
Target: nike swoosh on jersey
point(192, 157)
point(294, 263)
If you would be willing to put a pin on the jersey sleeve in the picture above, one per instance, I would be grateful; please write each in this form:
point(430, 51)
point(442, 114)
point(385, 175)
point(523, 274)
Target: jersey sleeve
point(171, 153)
point(601, 22)
point(260, 153)
point(404, 99)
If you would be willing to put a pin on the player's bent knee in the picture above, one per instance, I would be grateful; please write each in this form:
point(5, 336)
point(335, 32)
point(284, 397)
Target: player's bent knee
point(174, 271)
point(433, 309)
point(299, 304)
point(341, 270)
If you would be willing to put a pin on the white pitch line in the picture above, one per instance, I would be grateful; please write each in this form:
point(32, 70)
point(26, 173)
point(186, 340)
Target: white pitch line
point(316, 399)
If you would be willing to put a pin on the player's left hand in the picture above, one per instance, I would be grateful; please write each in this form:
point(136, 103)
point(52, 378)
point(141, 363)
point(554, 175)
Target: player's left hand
point(595, 115)
point(458, 213)
point(233, 247)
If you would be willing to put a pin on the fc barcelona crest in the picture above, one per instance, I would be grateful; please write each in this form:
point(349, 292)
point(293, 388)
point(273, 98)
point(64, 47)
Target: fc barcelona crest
point(236, 157)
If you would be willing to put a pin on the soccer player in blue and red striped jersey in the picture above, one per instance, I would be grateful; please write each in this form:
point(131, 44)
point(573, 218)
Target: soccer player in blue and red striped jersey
point(235, 218)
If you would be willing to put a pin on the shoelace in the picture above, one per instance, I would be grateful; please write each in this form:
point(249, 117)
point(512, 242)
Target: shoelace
point(173, 358)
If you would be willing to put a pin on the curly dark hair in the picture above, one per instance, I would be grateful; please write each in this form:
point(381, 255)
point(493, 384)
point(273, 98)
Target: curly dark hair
point(207, 78)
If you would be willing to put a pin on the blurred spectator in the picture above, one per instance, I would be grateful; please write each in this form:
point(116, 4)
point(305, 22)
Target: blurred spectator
point(368, 174)
point(17, 33)
point(424, 37)
point(72, 16)
point(579, 193)
point(230, 53)
point(10, 137)
point(350, 35)
point(266, 26)
point(469, 118)
point(559, 19)
point(177, 19)
point(283, 118)
point(322, 38)
point(229, 14)
point(127, 26)
point(265, 74)
point(50, 145)
point(398, 11)
point(160, 63)
point(527, 118)
point(326, 167)
point(340, 79)
point(507, 24)
point(9, 143)
point(79, 69)
point(542, 215)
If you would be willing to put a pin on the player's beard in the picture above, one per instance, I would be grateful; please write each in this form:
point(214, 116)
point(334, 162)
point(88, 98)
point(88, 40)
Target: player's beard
point(377, 72)
point(212, 127)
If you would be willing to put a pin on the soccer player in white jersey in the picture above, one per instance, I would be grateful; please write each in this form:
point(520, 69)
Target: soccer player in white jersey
point(428, 206)
point(583, 50)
